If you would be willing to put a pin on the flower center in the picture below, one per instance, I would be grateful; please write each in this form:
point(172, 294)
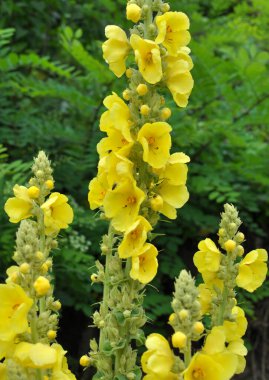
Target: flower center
point(198, 374)
point(151, 140)
point(131, 200)
point(124, 142)
point(134, 234)
point(148, 57)
point(169, 29)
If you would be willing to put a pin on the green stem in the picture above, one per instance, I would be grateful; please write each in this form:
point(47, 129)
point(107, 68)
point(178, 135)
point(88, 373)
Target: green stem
point(187, 353)
point(148, 18)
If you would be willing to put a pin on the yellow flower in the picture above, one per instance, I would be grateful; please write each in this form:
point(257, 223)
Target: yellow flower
point(158, 360)
point(175, 170)
point(207, 259)
point(156, 142)
point(252, 270)
point(116, 117)
point(178, 77)
point(148, 58)
point(116, 49)
point(122, 204)
point(116, 167)
point(172, 31)
point(97, 190)
point(60, 369)
point(134, 238)
point(237, 347)
point(235, 330)
point(57, 213)
point(3, 371)
point(20, 206)
point(144, 266)
point(37, 355)
point(14, 308)
point(115, 142)
point(12, 274)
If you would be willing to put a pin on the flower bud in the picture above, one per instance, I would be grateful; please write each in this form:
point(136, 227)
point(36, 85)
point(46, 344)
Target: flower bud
point(142, 89)
point(24, 268)
point(39, 255)
point(133, 12)
point(56, 305)
point(44, 268)
point(166, 113)
point(172, 317)
point(179, 340)
point(126, 95)
point(41, 286)
point(165, 7)
point(229, 245)
point(156, 203)
point(84, 361)
point(240, 250)
point(239, 237)
point(221, 232)
point(51, 334)
point(33, 192)
point(129, 73)
point(198, 327)
point(94, 277)
point(144, 110)
point(183, 314)
point(49, 184)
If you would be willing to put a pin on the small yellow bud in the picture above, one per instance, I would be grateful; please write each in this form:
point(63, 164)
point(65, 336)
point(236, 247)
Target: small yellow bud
point(129, 73)
point(14, 277)
point(198, 327)
point(165, 7)
point(48, 263)
point(39, 255)
point(33, 192)
point(126, 95)
point(229, 245)
point(156, 203)
point(24, 268)
point(240, 250)
point(94, 277)
point(179, 340)
point(133, 12)
point(51, 334)
point(84, 361)
point(49, 184)
point(57, 305)
point(101, 324)
point(240, 237)
point(172, 317)
point(39, 173)
point(41, 286)
point(142, 89)
point(183, 314)
point(144, 110)
point(45, 377)
point(44, 268)
point(221, 232)
point(104, 249)
point(166, 113)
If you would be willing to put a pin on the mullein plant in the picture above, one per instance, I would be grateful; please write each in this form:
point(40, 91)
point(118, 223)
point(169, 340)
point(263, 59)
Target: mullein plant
point(138, 178)
point(28, 310)
point(209, 314)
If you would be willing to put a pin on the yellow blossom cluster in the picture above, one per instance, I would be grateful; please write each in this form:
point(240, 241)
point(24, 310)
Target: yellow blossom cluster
point(28, 311)
point(138, 177)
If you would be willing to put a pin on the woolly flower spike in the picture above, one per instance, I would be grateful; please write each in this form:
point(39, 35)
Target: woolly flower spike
point(14, 308)
point(57, 213)
point(252, 270)
point(144, 266)
point(156, 142)
point(158, 361)
point(172, 31)
point(116, 49)
point(148, 58)
point(19, 207)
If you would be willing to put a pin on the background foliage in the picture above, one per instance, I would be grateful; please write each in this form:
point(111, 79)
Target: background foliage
point(52, 82)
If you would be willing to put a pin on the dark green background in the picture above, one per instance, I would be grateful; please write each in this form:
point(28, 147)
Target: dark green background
point(52, 82)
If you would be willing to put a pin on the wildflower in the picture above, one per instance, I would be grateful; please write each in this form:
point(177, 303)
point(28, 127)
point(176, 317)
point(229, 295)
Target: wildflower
point(172, 31)
point(60, 370)
point(116, 117)
point(156, 142)
point(14, 308)
point(122, 204)
point(235, 330)
point(12, 273)
point(178, 77)
point(237, 347)
point(19, 207)
point(144, 266)
point(134, 238)
point(116, 49)
point(252, 270)
point(115, 142)
point(158, 360)
point(133, 12)
point(97, 190)
point(116, 167)
point(57, 213)
point(37, 355)
point(148, 58)
point(207, 259)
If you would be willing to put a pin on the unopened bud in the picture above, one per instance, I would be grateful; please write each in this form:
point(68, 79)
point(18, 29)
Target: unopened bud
point(49, 184)
point(84, 361)
point(144, 110)
point(142, 89)
point(156, 203)
point(33, 192)
point(179, 339)
point(133, 12)
point(183, 314)
point(229, 245)
point(24, 268)
point(51, 334)
point(198, 327)
point(126, 95)
point(41, 286)
point(166, 113)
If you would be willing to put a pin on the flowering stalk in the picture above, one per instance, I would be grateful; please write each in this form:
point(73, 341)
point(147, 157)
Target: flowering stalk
point(223, 352)
point(30, 349)
point(138, 179)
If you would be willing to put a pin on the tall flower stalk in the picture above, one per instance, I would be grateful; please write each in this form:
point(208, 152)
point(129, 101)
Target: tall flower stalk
point(28, 310)
point(138, 178)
